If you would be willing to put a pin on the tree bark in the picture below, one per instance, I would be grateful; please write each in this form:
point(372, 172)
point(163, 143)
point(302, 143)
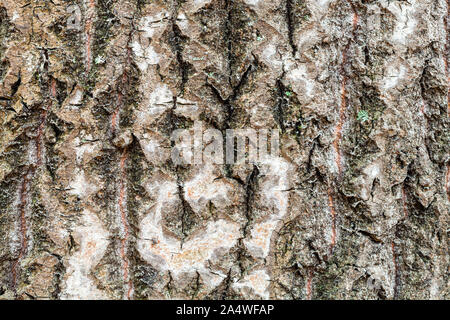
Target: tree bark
point(356, 205)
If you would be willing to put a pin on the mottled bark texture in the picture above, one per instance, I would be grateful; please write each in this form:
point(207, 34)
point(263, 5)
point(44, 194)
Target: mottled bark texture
point(356, 206)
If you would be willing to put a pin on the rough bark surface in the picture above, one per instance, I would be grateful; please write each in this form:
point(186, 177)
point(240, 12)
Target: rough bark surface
point(356, 206)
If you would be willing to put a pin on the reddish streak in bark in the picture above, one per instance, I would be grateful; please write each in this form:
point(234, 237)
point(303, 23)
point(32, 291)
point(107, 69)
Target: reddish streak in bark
point(333, 219)
point(446, 55)
point(394, 260)
point(25, 185)
point(343, 106)
point(309, 285)
point(123, 216)
point(405, 209)
point(116, 114)
point(338, 133)
point(447, 176)
point(88, 30)
point(447, 182)
point(122, 191)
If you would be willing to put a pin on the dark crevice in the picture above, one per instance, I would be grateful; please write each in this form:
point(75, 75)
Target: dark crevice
point(15, 86)
point(187, 211)
point(197, 285)
point(228, 104)
point(229, 108)
point(311, 153)
point(227, 285)
point(30, 296)
point(282, 104)
point(168, 286)
point(290, 25)
point(229, 37)
point(250, 189)
point(176, 42)
point(371, 236)
point(58, 276)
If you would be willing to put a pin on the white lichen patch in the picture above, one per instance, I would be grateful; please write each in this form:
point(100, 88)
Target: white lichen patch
point(159, 101)
point(92, 238)
point(156, 148)
point(168, 253)
point(318, 7)
point(182, 21)
point(81, 186)
point(252, 2)
point(369, 174)
point(395, 73)
point(145, 56)
point(256, 282)
point(205, 187)
point(187, 109)
point(406, 22)
point(150, 25)
point(85, 149)
point(271, 56)
point(301, 81)
point(194, 5)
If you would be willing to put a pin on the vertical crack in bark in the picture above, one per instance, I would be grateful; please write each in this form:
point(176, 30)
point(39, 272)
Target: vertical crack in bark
point(176, 42)
point(250, 189)
point(281, 103)
point(343, 106)
point(333, 220)
point(423, 89)
point(88, 29)
point(197, 285)
point(290, 25)
point(229, 102)
point(58, 276)
point(396, 272)
point(187, 210)
point(228, 106)
point(228, 38)
point(168, 285)
point(124, 220)
point(227, 285)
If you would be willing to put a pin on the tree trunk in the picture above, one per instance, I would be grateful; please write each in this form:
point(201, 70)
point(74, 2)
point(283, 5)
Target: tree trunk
point(355, 206)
